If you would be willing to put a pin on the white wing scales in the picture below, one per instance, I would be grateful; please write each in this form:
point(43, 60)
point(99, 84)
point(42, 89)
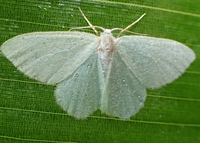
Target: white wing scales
point(154, 61)
point(49, 57)
point(123, 95)
point(79, 94)
point(70, 59)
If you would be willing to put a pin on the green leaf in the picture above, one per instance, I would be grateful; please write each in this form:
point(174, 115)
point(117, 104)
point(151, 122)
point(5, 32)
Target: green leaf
point(28, 111)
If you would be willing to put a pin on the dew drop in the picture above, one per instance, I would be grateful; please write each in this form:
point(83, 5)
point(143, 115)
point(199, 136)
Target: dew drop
point(76, 75)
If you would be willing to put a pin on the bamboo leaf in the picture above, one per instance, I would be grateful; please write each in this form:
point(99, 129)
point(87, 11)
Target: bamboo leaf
point(28, 111)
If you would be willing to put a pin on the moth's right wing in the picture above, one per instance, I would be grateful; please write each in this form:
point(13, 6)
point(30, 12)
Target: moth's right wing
point(49, 57)
point(154, 61)
point(123, 95)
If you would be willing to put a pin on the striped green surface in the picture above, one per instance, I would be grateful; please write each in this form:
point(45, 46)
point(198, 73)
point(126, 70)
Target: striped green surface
point(28, 111)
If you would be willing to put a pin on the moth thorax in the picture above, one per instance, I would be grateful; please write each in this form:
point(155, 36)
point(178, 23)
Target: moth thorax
point(105, 50)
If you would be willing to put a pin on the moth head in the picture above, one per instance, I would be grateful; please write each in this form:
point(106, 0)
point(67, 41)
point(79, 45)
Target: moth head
point(107, 31)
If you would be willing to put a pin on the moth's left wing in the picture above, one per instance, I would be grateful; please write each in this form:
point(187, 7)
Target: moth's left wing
point(79, 94)
point(49, 57)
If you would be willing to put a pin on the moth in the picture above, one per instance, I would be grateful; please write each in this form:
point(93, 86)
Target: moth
point(98, 72)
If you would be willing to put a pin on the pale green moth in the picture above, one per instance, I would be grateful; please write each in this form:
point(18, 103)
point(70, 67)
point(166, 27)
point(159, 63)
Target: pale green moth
point(98, 72)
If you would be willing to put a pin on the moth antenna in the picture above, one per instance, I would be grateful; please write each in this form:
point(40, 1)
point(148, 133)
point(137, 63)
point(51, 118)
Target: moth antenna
point(128, 31)
point(88, 21)
point(84, 27)
point(131, 25)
